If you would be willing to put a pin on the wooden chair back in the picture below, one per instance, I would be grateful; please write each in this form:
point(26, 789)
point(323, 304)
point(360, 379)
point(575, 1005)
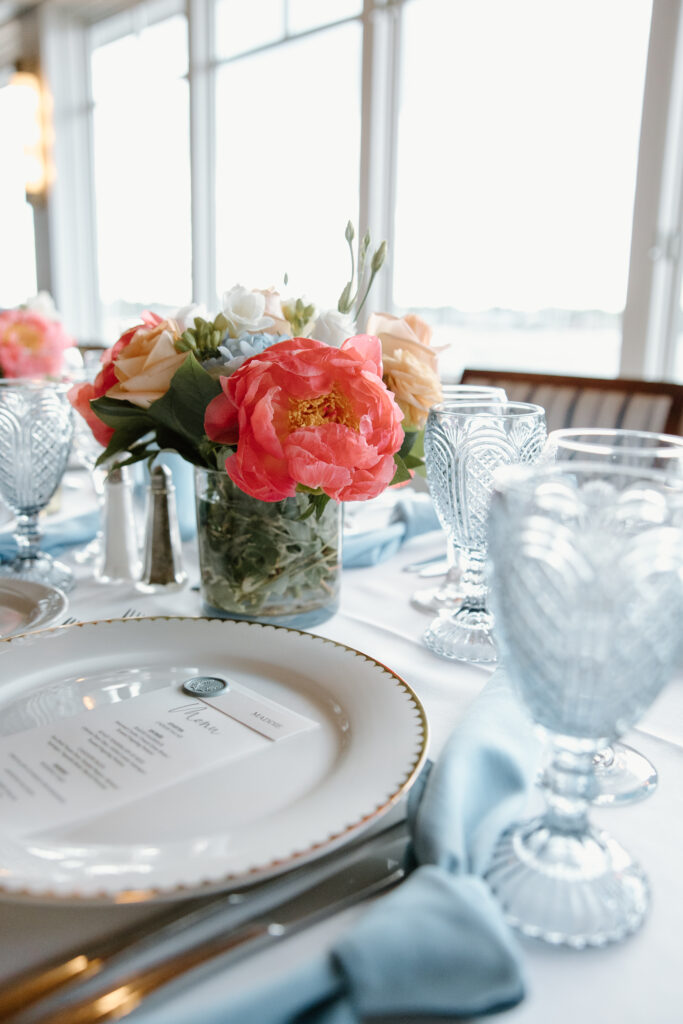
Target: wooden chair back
point(592, 401)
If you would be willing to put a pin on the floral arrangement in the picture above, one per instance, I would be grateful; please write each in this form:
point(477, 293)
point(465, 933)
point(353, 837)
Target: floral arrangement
point(295, 406)
point(286, 398)
point(33, 341)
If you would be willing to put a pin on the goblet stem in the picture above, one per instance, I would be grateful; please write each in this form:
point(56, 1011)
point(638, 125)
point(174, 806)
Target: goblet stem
point(27, 534)
point(473, 583)
point(569, 786)
point(465, 634)
point(559, 879)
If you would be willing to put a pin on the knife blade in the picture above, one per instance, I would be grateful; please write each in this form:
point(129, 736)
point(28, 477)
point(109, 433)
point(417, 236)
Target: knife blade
point(114, 985)
point(440, 559)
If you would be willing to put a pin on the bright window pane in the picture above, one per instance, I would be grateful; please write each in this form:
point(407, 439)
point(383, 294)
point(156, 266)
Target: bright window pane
point(142, 172)
point(243, 26)
point(518, 142)
point(17, 254)
point(307, 14)
point(678, 366)
point(287, 165)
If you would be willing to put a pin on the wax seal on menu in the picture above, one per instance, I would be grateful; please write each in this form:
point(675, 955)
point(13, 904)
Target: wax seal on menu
point(205, 686)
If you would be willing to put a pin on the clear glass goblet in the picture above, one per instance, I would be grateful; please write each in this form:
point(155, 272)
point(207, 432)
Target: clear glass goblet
point(36, 429)
point(447, 595)
point(586, 567)
point(622, 774)
point(465, 442)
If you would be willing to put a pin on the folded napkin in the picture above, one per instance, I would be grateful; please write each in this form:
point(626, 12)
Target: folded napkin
point(57, 535)
point(412, 515)
point(436, 945)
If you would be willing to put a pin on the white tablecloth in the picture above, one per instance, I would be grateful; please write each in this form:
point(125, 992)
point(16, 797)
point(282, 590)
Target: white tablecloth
point(639, 981)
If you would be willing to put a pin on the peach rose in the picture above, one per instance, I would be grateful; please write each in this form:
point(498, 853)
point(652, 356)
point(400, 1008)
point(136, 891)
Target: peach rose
point(81, 395)
point(144, 368)
point(303, 412)
point(415, 386)
point(409, 333)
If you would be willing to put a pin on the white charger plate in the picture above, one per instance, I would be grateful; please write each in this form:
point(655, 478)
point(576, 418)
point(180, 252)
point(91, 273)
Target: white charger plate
point(237, 823)
point(25, 605)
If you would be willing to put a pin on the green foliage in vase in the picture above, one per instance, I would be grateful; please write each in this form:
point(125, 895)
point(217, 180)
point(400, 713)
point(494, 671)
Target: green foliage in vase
point(264, 558)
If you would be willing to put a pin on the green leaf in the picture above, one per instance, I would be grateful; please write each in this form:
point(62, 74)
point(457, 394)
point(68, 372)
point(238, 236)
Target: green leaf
point(122, 440)
point(408, 442)
point(116, 413)
point(175, 421)
point(402, 474)
point(181, 410)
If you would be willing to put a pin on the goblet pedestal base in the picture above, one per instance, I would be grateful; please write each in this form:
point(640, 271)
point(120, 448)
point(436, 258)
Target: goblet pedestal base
point(41, 569)
point(447, 598)
point(622, 776)
point(464, 635)
point(575, 889)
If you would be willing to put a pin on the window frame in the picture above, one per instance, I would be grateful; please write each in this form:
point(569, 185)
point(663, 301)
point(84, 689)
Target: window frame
point(651, 315)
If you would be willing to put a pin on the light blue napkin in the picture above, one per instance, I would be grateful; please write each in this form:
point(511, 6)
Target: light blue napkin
point(412, 515)
point(437, 945)
point(57, 535)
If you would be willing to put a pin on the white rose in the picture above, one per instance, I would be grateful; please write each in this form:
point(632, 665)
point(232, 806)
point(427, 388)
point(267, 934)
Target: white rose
point(44, 305)
point(332, 327)
point(185, 316)
point(244, 311)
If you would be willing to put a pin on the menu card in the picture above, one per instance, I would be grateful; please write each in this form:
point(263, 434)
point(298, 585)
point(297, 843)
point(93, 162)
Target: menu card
point(100, 759)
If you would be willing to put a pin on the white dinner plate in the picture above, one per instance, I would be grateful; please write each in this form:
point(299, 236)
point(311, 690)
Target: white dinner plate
point(233, 824)
point(25, 605)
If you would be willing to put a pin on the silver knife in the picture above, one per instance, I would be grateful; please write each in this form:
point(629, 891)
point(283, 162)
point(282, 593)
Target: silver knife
point(220, 930)
point(440, 559)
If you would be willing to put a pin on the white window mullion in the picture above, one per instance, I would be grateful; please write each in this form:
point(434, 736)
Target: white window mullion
point(69, 216)
point(654, 272)
point(379, 135)
point(203, 155)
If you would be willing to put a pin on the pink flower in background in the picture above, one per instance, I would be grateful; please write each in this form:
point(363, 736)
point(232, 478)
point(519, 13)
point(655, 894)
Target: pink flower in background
point(31, 345)
point(303, 412)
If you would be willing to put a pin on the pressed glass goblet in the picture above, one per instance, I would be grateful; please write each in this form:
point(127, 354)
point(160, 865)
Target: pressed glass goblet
point(586, 566)
point(36, 429)
point(448, 594)
point(464, 444)
point(622, 774)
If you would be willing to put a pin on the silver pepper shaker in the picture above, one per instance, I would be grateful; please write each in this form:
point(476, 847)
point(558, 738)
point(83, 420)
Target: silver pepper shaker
point(163, 560)
point(120, 560)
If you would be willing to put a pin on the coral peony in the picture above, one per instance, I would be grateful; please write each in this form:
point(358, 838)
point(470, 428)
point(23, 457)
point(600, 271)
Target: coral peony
point(305, 413)
point(31, 345)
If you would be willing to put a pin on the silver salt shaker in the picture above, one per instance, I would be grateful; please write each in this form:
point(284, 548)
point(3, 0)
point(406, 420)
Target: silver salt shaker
point(163, 561)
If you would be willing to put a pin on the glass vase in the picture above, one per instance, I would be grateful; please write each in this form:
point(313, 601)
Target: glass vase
point(261, 560)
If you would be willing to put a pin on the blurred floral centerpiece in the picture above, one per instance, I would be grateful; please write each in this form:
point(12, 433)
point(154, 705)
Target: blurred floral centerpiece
point(280, 407)
point(33, 341)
